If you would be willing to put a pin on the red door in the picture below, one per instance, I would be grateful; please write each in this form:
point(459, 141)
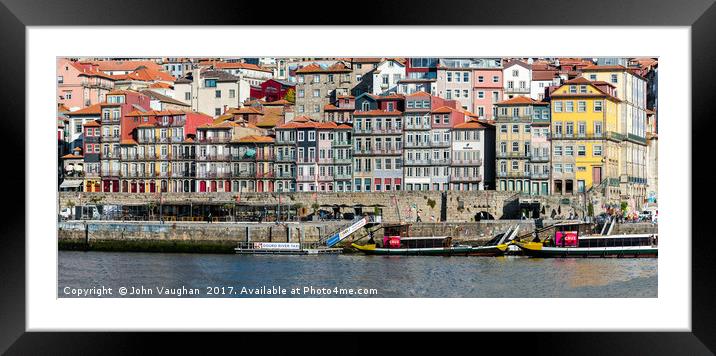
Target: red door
point(141, 187)
point(202, 186)
point(596, 175)
point(115, 186)
point(260, 186)
point(213, 186)
point(227, 186)
point(152, 187)
point(125, 185)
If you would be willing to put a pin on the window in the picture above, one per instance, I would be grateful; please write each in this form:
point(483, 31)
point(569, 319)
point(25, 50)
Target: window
point(480, 94)
point(597, 106)
point(570, 106)
point(592, 77)
point(581, 106)
point(449, 77)
point(569, 150)
point(557, 106)
point(598, 129)
point(218, 93)
point(503, 128)
point(581, 151)
point(614, 78)
point(515, 73)
point(232, 93)
point(495, 79)
point(515, 146)
point(465, 77)
point(480, 79)
point(515, 128)
point(60, 79)
point(557, 150)
point(187, 96)
point(217, 111)
point(316, 93)
point(316, 108)
point(210, 83)
point(557, 168)
point(583, 89)
point(582, 129)
point(573, 89)
point(597, 151)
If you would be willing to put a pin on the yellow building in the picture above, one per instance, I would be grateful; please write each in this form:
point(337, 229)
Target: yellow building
point(631, 90)
point(585, 136)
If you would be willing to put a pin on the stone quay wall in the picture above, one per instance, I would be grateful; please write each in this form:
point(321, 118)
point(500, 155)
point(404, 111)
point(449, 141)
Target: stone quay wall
point(399, 206)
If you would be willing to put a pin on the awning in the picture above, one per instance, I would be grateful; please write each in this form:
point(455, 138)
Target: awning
point(71, 183)
point(250, 152)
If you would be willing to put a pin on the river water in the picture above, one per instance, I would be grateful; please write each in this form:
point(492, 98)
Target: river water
point(211, 275)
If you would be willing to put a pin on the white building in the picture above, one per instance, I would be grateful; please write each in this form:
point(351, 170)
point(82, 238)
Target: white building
point(212, 92)
point(467, 167)
point(386, 76)
point(517, 79)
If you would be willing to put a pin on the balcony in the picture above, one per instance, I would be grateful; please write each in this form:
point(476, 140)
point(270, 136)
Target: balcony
point(517, 90)
point(476, 178)
point(513, 155)
point(342, 176)
point(325, 160)
point(539, 159)
point(342, 160)
point(213, 157)
point(222, 139)
point(440, 161)
point(540, 175)
point(284, 175)
point(513, 174)
point(341, 143)
point(417, 162)
point(264, 175)
point(417, 126)
point(282, 158)
point(467, 162)
point(414, 144)
point(440, 144)
point(306, 179)
point(325, 178)
point(216, 175)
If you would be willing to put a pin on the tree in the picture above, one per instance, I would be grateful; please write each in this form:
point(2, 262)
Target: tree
point(290, 96)
point(590, 209)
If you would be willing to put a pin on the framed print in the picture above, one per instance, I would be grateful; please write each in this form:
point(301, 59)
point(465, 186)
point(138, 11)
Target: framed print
point(259, 173)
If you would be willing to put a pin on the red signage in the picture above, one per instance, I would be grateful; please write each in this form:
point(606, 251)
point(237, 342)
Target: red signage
point(567, 238)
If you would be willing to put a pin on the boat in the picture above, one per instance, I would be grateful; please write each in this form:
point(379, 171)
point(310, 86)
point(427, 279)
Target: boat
point(572, 239)
point(283, 248)
point(397, 241)
point(499, 245)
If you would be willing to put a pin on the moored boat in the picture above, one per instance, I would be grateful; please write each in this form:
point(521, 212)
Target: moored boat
point(568, 241)
point(397, 241)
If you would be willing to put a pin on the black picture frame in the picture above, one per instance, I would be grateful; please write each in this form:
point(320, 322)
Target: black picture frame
point(15, 15)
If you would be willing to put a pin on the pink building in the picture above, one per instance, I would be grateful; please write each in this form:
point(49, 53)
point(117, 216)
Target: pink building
point(81, 84)
point(487, 90)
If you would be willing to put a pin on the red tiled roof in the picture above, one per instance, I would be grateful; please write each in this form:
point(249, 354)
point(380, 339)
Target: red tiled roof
point(544, 75)
point(277, 102)
point(125, 65)
point(419, 93)
point(161, 85)
point(604, 67)
point(128, 142)
point(71, 156)
point(443, 110)
point(315, 68)
point(472, 124)
point(92, 123)
point(521, 100)
point(95, 109)
point(256, 139)
point(146, 75)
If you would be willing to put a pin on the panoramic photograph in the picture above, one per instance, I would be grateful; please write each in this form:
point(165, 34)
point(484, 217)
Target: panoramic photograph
point(357, 177)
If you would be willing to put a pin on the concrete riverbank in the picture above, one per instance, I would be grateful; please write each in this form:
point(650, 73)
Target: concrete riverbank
point(224, 237)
